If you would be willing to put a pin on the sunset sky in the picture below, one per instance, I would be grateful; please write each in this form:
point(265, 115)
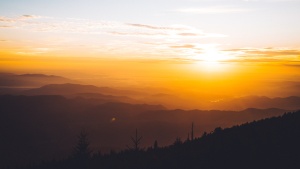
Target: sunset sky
point(153, 41)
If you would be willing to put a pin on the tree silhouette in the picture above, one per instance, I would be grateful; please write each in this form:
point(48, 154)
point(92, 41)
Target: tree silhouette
point(82, 150)
point(136, 142)
point(191, 137)
point(155, 145)
point(192, 132)
point(269, 143)
point(177, 141)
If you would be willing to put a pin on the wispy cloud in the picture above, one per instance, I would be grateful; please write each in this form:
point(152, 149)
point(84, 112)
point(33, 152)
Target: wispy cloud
point(188, 46)
point(4, 19)
point(35, 51)
point(168, 41)
point(154, 27)
point(71, 25)
point(29, 17)
point(113, 36)
point(264, 55)
point(268, 52)
point(275, 52)
point(5, 26)
point(213, 10)
point(17, 19)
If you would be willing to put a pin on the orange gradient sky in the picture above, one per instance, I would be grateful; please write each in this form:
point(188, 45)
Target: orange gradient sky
point(228, 46)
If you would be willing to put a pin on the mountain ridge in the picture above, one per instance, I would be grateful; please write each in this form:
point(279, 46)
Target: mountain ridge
point(71, 88)
point(49, 124)
point(267, 143)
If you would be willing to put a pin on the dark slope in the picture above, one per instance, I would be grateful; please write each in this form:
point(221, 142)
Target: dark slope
point(271, 143)
point(35, 128)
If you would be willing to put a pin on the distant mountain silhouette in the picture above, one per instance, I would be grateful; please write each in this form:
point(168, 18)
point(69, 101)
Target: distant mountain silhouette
point(169, 100)
point(261, 102)
point(226, 103)
point(14, 81)
point(101, 98)
point(41, 84)
point(39, 76)
point(69, 89)
point(35, 128)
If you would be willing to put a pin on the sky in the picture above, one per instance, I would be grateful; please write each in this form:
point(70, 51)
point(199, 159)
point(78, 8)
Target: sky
point(152, 39)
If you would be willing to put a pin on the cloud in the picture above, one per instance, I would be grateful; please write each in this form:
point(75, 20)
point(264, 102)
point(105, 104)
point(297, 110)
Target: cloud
point(165, 31)
point(169, 41)
point(187, 51)
point(173, 60)
point(18, 22)
point(154, 27)
point(293, 64)
point(35, 51)
point(188, 46)
point(252, 60)
point(268, 52)
point(264, 55)
point(276, 52)
point(139, 34)
point(83, 26)
point(30, 16)
point(188, 34)
point(4, 19)
point(110, 37)
point(5, 26)
point(212, 10)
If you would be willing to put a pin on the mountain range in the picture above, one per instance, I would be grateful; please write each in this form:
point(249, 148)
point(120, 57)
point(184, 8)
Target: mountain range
point(43, 127)
point(30, 80)
point(108, 94)
point(55, 85)
point(41, 116)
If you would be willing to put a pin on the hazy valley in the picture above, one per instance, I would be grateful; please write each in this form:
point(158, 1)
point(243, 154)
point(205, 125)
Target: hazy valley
point(42, 122)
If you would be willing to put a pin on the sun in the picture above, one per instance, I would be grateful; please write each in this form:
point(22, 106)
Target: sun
point(212, 60)
point(212, 55)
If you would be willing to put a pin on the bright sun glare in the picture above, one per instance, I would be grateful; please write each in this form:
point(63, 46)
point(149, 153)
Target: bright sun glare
point(212, 60)
point(212, 55)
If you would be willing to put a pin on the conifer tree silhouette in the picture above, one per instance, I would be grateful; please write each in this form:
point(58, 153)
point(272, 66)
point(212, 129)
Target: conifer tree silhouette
point(82, 150)
point(177, 141)
point(136, 142)
point(188, 137)
point(155, 145)
point(192, 132)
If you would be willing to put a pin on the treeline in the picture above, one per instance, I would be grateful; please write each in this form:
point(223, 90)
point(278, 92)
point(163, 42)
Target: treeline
point(36, 128)
point(269, 143)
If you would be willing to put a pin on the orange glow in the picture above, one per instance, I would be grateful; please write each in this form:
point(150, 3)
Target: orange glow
point(216, 77)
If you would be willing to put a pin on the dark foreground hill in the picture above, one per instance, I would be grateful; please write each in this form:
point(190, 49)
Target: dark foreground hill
point(265, 144)
point(36, 128)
